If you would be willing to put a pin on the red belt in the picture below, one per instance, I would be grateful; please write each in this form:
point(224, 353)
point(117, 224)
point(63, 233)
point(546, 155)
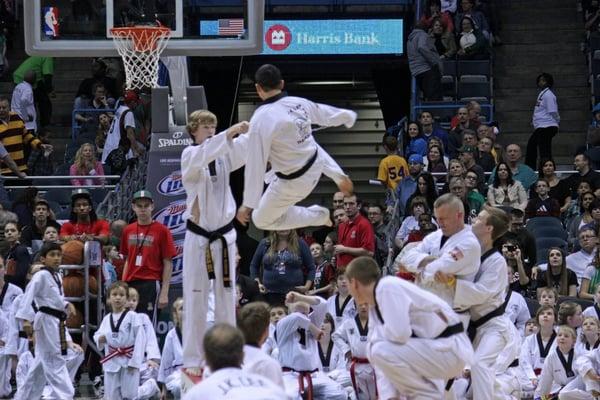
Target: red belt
point(354, 361)
point(304, 394)
point(117, 352)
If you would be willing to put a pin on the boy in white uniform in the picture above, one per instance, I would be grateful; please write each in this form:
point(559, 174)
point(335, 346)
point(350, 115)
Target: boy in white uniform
point(209, 247)
point(452, 249)
point(351, 340)
point(49, 366)
point(172, 356)
point(8, 291)
point(270, 345)
point(121, 335)
point(296, 336)
point(281, 134)
point(416, 342)
point(149, 368)
point(253, 321)
point(341, 306)
point(224, 349)
point(484, 298)
point(516, 306)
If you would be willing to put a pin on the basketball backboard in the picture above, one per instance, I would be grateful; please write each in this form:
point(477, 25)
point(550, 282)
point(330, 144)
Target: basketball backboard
point(81, 28)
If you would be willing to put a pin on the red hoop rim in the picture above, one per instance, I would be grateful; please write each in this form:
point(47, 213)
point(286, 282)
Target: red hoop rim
point(144, 37)
point(139, 29)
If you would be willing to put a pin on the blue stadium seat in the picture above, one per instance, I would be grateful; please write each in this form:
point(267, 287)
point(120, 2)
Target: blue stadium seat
point(474, 67)
point(593, 154)
point(478, 91)
point(61, 196)
point(549, 232)
point(450, 68)
point(536, 222)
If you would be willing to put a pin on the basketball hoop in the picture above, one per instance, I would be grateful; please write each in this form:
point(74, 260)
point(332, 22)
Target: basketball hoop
point(140, 48)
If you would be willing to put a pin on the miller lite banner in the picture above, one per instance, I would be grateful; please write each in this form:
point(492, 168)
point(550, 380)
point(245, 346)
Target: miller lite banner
point(165, 183)
point(50, 24)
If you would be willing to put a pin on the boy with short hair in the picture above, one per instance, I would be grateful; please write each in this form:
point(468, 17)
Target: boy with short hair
point(341, 305)
point(408, 327)
point(253, 321)
point(392, 168)
point(542, 205)
point(49, 365)
point(276, 313)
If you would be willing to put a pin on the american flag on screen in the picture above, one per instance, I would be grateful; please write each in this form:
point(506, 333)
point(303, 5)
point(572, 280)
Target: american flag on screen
point(231, 27)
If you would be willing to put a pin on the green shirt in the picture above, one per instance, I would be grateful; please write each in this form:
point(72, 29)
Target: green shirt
point(41, 65)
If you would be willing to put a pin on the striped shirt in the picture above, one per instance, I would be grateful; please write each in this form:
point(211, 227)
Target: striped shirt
point(14, 136)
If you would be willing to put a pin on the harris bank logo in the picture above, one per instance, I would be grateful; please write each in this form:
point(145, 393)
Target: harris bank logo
point(278, 37)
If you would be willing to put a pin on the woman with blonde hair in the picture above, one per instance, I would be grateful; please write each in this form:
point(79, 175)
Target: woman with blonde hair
point(86, 164)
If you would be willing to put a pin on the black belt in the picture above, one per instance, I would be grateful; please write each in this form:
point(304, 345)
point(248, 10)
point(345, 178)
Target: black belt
point(60, 314)
point(474, 325)
point(213, 236)
point(515, 363)
point(23, 335)
point(449, 331)
point(301, 171)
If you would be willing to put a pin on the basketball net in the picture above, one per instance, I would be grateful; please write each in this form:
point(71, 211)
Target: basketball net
point(140, 48)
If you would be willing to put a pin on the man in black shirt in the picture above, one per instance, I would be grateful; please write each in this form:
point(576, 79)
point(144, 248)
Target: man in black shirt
point(582, 166)
point(33, 235)
point(517, 231)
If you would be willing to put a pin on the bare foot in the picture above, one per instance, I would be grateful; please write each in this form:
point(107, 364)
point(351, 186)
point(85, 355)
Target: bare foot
point(346, 186)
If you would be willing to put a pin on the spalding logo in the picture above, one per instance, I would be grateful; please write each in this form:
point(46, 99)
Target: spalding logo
point(177, 276)
point(171, 185)
point(172, 216)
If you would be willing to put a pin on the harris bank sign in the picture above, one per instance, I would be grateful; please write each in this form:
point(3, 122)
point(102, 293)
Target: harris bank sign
point(348, 36)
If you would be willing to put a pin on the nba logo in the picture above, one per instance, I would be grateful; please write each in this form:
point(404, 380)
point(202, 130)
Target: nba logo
point(278, 37)
point(50, 24)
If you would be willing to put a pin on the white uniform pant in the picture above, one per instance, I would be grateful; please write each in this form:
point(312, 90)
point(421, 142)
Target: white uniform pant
point(49, 365)
point(490, 340)
point(576, 389)
point(5, 368)
point(277, 210)
point(196, 289)
point(121, 385)
point(74, 359)
point(148, 387)
point(173, 384)
point(324, 388)
point(364, 376)
point(420, 368)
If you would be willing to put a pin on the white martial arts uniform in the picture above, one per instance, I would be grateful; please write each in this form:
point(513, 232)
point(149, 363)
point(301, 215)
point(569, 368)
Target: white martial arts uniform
point(126, 339)
point(235, 384)
point(592, 311)
point(339, 310)
point(257, 362)
point(210, 198)
point(581, 387)
point(171, 362)
point(531, 360)
point(459, 256)
point(482, 297)
point(555, 375)
point(281, 134)
point(269, 347)
point(299, 353)
point(510, 376)
point(517, 311)
point(333, 364)
point(351, 337)
point(8, 294)
point(49, 366)
point(5, 363)
point(415, 342)
point(148, 386)
point(17, 341)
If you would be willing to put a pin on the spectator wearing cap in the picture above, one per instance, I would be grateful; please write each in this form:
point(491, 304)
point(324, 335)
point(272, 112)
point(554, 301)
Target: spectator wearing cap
point(467, 157)
point(83, 224)
point(519, 171)
point(545, 122)
point(149, 249)
point(505, 191)
point(408, 184)
point(122, 131)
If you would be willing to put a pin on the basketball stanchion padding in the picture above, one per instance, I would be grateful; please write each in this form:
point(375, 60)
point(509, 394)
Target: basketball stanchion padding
point(140, 48)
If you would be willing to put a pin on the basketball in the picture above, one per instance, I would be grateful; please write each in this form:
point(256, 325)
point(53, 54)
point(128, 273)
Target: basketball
point(73, 285)
point(75, 320)
point(72, 252)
